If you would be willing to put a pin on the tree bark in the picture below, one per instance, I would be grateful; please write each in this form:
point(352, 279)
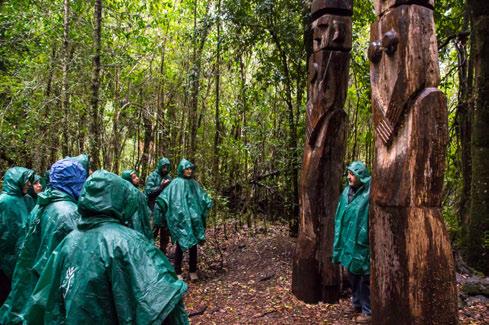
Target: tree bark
point(477, 252)
point(95, 121)
point(217, 118)
point(463, 122)
point(195, 78)
point(412, 271)
point(314, 277)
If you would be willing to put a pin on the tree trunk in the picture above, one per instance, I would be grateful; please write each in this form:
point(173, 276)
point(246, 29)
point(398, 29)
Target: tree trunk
point(95, 121)
point(412, 271)
point(116, 135)
point(46, 160)
point(315, 278)
point(477, 251)
point(292, 139)
point(217, 119)
point(195, 78)
point(65, 100)
point(463, 122)
point(148, 138)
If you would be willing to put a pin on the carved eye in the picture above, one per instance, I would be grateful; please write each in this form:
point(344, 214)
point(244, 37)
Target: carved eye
point(339, 32)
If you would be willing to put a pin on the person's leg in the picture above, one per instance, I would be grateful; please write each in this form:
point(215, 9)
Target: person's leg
point(178, 260)
point(365, 294)
point(355, 283)
point(164, 239)
point(192, 261)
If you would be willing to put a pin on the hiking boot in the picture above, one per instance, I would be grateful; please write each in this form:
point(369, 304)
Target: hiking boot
point(193, 276)
point(363, 319)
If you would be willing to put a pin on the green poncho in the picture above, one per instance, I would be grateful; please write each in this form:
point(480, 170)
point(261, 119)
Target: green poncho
point(140, 218)
point(351, 245)
point(126, 174)
point(184, 205)
point(153, 186)
point(52, 219)
point(31, 196)
point(104, 272)
point(13, 216)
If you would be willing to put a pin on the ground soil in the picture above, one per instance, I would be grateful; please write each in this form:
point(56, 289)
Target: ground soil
point(246, 279)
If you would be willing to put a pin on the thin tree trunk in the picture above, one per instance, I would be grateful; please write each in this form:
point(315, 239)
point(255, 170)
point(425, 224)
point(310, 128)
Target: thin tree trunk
point(95, 123)
point(116, 136)
point(292, 141)
point(65, 100)
point(48, 111)
point(477, 251)
point(217, 135)
point(463, 121)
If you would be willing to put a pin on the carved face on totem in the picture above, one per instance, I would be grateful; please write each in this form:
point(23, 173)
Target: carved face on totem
point(403, 52)
point(328, 64)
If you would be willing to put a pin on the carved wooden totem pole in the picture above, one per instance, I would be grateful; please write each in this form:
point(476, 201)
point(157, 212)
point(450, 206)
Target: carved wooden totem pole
point(315, 278)
point(413, 277)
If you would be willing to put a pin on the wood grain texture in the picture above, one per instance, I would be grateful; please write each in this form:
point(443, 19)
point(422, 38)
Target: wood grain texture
point(315, 278)
point(413, 275)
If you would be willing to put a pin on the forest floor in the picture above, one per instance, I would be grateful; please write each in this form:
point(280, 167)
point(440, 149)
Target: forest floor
point(246, 279)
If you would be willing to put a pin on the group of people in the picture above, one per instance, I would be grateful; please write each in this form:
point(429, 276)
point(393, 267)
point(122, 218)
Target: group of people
point(78, 247)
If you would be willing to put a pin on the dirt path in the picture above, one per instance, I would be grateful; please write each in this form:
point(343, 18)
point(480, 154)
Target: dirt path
point(246, 279)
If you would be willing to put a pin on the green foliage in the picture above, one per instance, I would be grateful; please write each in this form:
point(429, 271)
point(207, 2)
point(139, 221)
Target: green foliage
point(150, 51)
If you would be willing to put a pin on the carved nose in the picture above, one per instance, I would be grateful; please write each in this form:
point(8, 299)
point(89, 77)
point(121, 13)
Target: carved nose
point(375, 52)
point(387, 44)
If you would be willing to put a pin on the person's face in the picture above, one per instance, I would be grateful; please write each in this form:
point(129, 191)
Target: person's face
point(164, 169)
point(187, 172)
point(37, 187)
point(352, 179)
point(135, 179)
point(26, 187)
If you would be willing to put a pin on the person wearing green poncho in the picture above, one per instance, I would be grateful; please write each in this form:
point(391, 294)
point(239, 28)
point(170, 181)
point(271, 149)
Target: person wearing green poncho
point(141, 220)
point(32, 192)
point(13, 218)
point(184, 205)
point(351, 244)
point(131, 176)
point(156, 182)
point(104, 272)
point(55, 216)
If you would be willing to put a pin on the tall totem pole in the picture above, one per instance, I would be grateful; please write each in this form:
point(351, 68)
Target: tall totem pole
point(413, 277)
point(315, 278)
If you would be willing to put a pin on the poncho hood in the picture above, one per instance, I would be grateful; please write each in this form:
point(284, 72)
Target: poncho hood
point(82, 159)
point(127, 174)
point(103, 196)
point(359, 169)
point(68, 176)
point(184, 164)
point(15, 178)
point(163, 162)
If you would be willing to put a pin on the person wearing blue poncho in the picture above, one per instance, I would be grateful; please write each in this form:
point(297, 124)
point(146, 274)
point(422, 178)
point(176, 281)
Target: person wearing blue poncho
point(55, 216)
point(351, 244)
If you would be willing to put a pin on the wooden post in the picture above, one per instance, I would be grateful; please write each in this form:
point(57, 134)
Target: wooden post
point(315, 278)
point(413, 276)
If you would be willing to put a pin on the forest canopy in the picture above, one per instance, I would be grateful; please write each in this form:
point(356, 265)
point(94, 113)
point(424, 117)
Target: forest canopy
point(221, 82)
